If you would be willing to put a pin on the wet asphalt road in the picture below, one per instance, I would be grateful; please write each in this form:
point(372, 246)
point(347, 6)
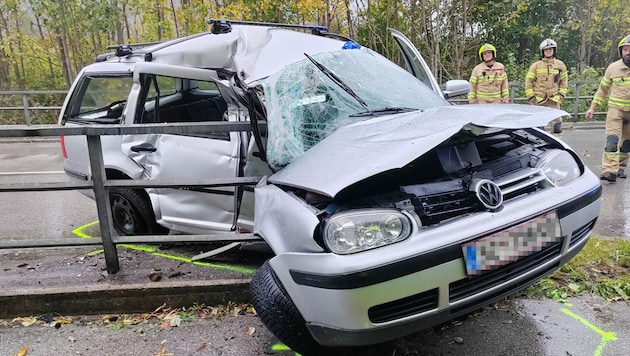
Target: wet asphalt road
point(583, 326)
point(614, 217)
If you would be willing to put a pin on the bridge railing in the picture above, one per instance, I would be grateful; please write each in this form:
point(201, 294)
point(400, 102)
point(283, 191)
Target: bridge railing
point(101, 185)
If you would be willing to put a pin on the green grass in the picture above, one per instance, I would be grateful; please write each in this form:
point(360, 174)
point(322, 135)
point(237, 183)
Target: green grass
point(601, 268)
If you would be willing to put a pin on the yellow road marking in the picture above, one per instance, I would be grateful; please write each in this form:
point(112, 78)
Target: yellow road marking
point(606, 335)
point(154, 251)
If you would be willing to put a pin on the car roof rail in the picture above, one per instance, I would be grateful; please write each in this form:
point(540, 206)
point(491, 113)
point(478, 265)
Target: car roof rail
point(217, 27)
point(122, 50)
point(127, 50)
point(225, 26)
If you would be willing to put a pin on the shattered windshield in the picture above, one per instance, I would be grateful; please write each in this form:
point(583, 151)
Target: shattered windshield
point(304, 105)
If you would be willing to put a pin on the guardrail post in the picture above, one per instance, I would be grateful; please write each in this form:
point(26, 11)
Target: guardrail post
point(27, 113)
point(576, 103)
point(103, 205)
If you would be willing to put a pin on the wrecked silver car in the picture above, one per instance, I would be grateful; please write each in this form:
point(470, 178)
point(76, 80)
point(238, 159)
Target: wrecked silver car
point(388, 210)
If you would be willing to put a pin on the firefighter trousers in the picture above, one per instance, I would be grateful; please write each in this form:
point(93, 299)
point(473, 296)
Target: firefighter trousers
point(617, 140)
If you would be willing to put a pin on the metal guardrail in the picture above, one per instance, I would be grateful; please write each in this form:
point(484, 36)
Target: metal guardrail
point(514, 86)
point(576, 98)
point(100, 184)
point(26, 95)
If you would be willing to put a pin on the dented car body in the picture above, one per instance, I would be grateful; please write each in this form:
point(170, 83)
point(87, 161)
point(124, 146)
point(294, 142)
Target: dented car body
point(388, 209)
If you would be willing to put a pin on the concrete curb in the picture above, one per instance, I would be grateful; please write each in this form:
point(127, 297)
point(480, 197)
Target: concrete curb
point(135, 298)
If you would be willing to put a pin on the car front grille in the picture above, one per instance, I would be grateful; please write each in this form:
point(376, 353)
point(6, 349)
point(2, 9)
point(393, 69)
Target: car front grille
point(581, 233)
point(401, 308)
point(435, 208)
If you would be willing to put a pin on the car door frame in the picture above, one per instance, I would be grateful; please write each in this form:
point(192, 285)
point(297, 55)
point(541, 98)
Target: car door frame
point(411, 55)
point(168, 216)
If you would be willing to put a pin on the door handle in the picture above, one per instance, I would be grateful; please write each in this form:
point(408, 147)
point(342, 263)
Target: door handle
point(143, 147)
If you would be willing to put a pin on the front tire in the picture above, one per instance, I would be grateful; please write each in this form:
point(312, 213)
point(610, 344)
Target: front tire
point(132, 213)
point(280, 315)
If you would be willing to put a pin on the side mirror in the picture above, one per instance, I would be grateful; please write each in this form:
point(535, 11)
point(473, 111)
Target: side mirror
point(456, 87)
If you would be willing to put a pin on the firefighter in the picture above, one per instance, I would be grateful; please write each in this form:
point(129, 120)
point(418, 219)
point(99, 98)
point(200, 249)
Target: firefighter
point(547, 81)
point(616, 83)
point(488, 80)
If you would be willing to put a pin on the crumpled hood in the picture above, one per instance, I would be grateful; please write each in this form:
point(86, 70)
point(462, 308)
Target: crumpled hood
point(361, 150)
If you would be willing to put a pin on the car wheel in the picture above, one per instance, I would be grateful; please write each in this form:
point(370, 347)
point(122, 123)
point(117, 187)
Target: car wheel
point(132, 213)
point(280, 315)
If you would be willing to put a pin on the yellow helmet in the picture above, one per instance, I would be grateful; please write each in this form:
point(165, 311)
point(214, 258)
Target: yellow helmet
point(624, 42)
point(487, 47)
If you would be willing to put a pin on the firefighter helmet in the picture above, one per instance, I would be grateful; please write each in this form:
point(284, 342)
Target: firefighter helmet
point(487, 47)
point(624, 42)
point(548, 43)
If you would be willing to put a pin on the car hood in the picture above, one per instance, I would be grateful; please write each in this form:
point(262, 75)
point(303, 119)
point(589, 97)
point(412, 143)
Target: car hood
point(358, 151)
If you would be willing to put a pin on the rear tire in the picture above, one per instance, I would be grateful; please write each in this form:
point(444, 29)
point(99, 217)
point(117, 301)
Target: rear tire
point(280, 315)
point(132, 213)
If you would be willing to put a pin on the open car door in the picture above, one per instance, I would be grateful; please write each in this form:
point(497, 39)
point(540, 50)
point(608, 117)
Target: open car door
point(413, 61)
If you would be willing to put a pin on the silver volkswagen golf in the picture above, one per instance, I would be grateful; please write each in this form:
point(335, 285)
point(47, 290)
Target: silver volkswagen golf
point(388, 209)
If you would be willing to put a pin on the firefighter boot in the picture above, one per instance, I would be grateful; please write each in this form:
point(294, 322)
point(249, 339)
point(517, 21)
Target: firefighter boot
point(608, 176)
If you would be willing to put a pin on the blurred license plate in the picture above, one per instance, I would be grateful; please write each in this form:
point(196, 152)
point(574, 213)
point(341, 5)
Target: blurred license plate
point(507, 246)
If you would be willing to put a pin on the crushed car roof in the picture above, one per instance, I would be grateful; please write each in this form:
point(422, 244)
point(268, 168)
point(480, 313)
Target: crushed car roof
point(359, 151)
point(254, 52)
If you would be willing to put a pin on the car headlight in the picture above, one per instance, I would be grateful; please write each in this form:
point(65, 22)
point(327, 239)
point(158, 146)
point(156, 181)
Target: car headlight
point(360, 230)
point(560, 168)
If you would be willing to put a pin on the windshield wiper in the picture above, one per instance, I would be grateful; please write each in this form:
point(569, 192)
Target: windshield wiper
point(337, 81)
point(384, 111)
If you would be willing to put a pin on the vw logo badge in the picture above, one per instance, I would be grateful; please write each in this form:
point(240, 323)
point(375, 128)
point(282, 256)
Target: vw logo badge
point(488, 193)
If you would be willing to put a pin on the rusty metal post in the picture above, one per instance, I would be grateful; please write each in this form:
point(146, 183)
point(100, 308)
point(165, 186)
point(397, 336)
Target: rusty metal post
point(103, 205)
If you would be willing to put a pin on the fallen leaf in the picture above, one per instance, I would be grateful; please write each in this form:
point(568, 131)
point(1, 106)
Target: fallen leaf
point(250, 330)
point(64, 320)
point(23, 351)
point(26, 321)
point(174, 320)
point(202, 347)
point(458, 340)
point(155, 276)
point(163, 350)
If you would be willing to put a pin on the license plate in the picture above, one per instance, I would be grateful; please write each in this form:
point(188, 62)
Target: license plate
point(507, 246)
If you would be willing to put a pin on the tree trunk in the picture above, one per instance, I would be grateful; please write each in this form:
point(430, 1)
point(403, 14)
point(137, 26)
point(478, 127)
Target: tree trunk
point(63, 59)
point(4, 65)
point(349, 19)
point(48, 59)
point(175, 19)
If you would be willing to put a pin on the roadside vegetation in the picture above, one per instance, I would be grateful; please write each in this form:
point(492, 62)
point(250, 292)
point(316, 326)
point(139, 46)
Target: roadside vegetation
point(601, 268)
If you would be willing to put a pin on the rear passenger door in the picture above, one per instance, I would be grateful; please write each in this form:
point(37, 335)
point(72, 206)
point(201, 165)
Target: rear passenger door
point(173, 94)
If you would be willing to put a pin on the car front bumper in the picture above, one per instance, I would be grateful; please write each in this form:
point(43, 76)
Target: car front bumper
point(392, 291)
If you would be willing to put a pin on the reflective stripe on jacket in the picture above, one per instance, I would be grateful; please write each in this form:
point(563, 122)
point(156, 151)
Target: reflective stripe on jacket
point(616, 82)
point(547, 79)
point(489, 83)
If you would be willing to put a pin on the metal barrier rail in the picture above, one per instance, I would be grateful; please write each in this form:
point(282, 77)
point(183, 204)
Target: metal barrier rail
point(26, 94)
point(514, 86)
point(100, 184)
